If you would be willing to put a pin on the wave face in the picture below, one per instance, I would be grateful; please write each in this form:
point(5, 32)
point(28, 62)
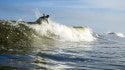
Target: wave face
point(63, 33)
point(15, 36)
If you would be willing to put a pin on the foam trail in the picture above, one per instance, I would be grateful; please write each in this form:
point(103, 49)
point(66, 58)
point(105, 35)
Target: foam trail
point(61, 32)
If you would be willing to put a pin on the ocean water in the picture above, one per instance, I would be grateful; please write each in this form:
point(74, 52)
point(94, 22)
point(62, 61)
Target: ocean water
point(54, 46)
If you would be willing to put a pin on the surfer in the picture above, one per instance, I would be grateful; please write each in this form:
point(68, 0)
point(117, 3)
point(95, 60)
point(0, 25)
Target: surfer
point(42, 19)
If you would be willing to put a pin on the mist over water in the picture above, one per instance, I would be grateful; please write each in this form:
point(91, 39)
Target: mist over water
point(53, 46)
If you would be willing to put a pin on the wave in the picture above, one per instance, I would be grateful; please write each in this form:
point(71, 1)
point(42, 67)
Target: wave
point(116, 34)
point(49, 30)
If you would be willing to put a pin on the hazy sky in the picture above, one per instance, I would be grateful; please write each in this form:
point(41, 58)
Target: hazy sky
point(100, 15)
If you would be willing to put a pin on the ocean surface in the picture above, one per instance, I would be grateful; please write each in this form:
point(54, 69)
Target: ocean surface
point(53, 46)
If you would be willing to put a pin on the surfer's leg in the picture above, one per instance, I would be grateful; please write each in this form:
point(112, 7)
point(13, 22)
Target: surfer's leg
point(47, 20)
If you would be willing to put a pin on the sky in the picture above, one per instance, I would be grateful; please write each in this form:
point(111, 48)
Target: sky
point(99, 15)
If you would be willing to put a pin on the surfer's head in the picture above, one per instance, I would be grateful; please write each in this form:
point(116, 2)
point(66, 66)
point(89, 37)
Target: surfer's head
point(47, 16)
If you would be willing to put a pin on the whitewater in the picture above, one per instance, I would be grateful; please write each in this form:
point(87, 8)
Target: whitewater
point(54, 46)
point(63, 33)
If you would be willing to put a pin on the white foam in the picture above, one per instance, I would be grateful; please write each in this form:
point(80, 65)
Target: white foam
point(64, 33)
point(120, 35)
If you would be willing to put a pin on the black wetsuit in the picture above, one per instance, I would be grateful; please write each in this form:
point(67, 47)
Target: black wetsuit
point(43, 18)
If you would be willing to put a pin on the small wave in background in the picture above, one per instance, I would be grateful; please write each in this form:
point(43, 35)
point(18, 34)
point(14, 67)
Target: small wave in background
point(116, 34)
